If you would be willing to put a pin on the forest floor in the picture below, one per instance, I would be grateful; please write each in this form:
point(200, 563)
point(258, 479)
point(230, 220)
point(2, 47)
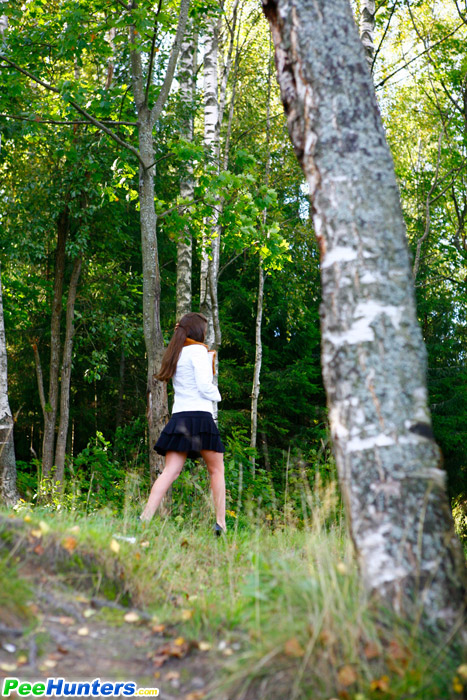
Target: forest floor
point(81, 637)
point(258, 614)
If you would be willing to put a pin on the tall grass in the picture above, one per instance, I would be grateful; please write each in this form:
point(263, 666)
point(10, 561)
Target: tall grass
point(278, 601)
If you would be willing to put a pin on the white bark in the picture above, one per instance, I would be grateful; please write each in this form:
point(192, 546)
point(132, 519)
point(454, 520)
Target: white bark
point(373, 356)
point(367, 28)
point(185, 244)
point(210, 243)
point(8, 492)
point(259, 308)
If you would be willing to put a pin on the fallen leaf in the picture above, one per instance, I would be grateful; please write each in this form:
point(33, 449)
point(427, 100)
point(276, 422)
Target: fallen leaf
point(326, 637)
point(177, 648)
point(131, 617)
point(39, 549)
point(341, 568)
point(380, 684)
point(346, 675)
point(69, 543)
point(44, 526)
point(65, 620)
point(372, 650)
point(22, 659)
point(83, 631)
point(49, 663)
point(36, 533)
point(184, 543)
point(457, 686)
point(396, 651)
point(171, 675)
point(27, 518)
point(157, 674)
point(462, 671)
point(158, 629)
point(187, 614)
point(81, 598)
point(204, 646)
point(145, 544)
point(89, 612)
point(8, 667)
point(195, 695)
point(75, 528)
point(292, 647)
point(114, 546)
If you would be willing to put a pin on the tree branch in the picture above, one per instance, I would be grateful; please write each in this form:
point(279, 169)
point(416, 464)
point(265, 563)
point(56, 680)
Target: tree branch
point(77, 107)
point(66, 123)
point(437, 43)
point(151, 57)
point(384, 35)
point(164, 91)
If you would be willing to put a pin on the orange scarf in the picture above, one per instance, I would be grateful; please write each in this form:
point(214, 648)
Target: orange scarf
point(190, 341)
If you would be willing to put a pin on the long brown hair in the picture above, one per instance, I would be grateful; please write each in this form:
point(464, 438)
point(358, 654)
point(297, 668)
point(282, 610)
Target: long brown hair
point(192, 325)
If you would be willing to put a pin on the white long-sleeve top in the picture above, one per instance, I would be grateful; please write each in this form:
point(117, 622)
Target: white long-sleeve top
point(192, 381)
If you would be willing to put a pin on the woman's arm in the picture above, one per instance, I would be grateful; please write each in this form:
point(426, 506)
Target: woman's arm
point(202, 365)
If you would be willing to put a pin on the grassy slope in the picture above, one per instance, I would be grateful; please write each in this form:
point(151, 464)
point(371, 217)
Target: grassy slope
point(285, 603)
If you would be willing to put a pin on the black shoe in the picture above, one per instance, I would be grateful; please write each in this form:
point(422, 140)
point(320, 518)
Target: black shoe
point(219, 530)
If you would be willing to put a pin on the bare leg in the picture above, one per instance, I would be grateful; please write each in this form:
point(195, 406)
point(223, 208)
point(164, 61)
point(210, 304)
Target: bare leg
point(174, 462)
point(215, 464)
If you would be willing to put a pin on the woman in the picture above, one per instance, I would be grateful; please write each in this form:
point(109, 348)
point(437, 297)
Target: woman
point(191, 431)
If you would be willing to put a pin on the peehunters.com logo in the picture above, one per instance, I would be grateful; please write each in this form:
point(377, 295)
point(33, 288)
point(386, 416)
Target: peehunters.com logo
point(58, 687)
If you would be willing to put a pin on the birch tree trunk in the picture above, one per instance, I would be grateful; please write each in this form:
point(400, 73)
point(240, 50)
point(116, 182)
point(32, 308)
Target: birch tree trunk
point(65, 376)
point(210, 243)
point(8, 492)
point(49, 409)
point(373, 355)
point(187, 90)
point(367, 28)
point(259, 307)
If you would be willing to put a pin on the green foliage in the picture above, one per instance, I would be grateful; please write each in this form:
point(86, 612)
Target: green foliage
point(100, 479)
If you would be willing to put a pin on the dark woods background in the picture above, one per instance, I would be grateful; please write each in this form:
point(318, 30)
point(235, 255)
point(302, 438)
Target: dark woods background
point(74, 180)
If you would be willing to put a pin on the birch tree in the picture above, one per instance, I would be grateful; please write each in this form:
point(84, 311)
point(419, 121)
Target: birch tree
point(8, 492)
point(373, 355)
point(367, 29)
point(211, 241)
point(259, 305)
point(186, 77)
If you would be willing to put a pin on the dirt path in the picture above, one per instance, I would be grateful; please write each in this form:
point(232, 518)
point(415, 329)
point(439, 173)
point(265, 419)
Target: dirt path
point(81, 638)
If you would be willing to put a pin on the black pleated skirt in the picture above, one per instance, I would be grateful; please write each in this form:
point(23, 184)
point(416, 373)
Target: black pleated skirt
point(190, 431)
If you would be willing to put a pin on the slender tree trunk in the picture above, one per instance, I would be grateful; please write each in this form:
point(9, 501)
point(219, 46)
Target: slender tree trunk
point(8, 491)
point(157, 408)
point(259, 307)
point(211, 142)
point(65, 378)
point(367, 28)
point(50, 408)
point(258, 360)
point(121, 389)
point(373, 356)
point(187, 91)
